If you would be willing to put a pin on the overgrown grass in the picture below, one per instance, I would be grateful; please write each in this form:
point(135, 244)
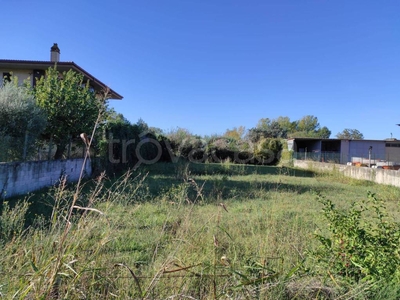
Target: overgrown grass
point(180, 231)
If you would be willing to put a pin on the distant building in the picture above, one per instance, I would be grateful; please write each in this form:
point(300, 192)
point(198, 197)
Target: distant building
point(358, 152)
point(32, 70)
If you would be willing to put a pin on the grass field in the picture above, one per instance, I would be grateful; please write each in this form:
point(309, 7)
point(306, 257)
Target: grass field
point(181, 231)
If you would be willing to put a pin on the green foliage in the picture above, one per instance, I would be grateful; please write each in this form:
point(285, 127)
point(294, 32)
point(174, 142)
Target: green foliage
point(12, 220)
point(286, 124)
point(123, 145)
point(323, 133)
point(282, 127)
point(268, 151)
point(21, 120)
point(71, 106)
point(286, 157)
point(185, 144)
point(235, 133)
point(363, 245)
point(222, 148)
point(267, 128)
point(199, 231)
point(225, 148)
point(350, 134)
point(308, 126)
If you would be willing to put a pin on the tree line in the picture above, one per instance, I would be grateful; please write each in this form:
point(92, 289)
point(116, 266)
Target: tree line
point(61, 106)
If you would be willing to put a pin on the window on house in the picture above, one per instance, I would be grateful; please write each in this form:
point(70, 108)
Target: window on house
point(37, 74)
point(6, 76)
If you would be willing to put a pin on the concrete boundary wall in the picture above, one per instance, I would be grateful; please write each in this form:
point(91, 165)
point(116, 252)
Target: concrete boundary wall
point(381, 176)
point(18, 178)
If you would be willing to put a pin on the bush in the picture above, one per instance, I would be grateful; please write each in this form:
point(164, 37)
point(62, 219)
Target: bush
point(363, 245)
point(268, 151)
point(186, 145)
point(124, 145)
point(21, 121)
point(219, 149)
point(12, 220)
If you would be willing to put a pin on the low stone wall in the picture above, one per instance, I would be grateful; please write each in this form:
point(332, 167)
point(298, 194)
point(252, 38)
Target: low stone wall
point(381, 176)
point(19, 178)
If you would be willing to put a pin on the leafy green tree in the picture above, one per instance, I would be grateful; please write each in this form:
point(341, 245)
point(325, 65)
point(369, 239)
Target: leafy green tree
point(183, 143)
point(268, 151)
point(286, 124)
point(272, 128)
point(117, 147)
point(350, 134)
point(157, 131)
point(235, 133)
point(323, 133)
point(21, 120)
point(282, 127)
point(309, 127)
point(264, 123)
point(308, 124)
point(267, 128)
point(71, 106)
point(111, 116)
point(254, 135)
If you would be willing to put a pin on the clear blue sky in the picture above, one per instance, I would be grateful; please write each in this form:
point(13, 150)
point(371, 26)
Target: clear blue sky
point(210, 65)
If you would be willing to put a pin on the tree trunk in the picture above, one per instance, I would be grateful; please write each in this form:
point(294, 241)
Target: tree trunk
point(60, 150)
point(50, 148)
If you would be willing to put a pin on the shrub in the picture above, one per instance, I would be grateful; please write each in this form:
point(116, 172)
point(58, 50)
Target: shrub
point(363, 245)
point(21, 121)
point(186, 145)
point(12, 220)
point(268, 151)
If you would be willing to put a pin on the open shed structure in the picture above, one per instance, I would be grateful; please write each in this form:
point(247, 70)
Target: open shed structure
point(358, 152)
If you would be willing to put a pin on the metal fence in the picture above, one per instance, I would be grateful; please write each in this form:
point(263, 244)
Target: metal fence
point(335, 157)
point(331, 157)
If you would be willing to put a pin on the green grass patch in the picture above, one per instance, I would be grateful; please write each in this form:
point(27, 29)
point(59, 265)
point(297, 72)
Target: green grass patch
point(182, 231)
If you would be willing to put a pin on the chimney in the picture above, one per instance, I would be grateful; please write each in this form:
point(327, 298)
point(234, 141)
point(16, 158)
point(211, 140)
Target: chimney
point(55, 53)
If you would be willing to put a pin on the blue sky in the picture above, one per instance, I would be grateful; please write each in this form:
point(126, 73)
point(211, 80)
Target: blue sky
point(212, 65)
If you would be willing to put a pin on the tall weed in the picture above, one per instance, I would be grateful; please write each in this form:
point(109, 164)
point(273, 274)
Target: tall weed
point(12, 220)
point(363, 244)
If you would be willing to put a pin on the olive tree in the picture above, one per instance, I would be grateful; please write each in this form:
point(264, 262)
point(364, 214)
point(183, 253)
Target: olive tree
point(70, 104)
point(21, 120)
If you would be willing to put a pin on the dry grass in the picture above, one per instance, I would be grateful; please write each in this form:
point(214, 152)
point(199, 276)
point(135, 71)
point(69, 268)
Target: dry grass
point(211, 232)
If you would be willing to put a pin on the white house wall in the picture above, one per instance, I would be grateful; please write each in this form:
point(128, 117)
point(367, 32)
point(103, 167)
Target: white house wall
point(21, 74)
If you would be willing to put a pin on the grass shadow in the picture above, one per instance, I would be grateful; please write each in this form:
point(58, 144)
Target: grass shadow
point(222, 182)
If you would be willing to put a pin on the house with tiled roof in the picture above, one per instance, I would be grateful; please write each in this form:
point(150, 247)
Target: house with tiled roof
point(32, 70)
